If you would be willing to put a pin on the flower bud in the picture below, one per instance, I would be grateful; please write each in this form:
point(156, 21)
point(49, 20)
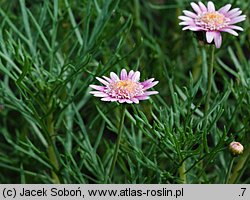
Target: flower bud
point(236, 148)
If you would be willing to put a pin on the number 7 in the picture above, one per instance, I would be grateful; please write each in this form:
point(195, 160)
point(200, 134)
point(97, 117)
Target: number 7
point(243, 191)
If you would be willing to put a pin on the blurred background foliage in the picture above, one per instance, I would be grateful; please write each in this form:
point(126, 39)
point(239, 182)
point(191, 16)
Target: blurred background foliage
point(53, 130)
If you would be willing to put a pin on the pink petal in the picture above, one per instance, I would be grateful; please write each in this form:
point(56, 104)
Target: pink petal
point(232, 11)
point(128, 101)
point(210, 6)
point(185, 23)
point(98, 94)
point(231, 31)
point(97, 87)
point(150, 93)
point(150, 85)
point(114, 77)
point(217, 39)
point(123, 74)
point(113, 99)
point(106, 99)
point(144, 97)
point(102, 81)
point(136, 76)
point(121, 100)
point(236, 14)
point(202, 6)
point(135, 100)
point(210, 36)
point(192, 28)
point(186, 28)
point(196, 8)
point(189, 14)
point(107, 79)
point(238, 19)
point(225, 9)
point(235, 27)
point(185, 18)
point(130, 74)
point(147, 82)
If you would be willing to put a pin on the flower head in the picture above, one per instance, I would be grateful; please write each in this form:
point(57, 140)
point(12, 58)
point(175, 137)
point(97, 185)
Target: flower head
point(206, 18)
point(126, 89)
point(236, 148)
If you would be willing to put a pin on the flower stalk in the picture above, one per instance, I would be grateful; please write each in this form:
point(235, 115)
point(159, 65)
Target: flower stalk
point(244, 158)
point(118, 141)
point(209, 82)
point(229, 169)
point(51, 150)
point(208, 96)
point(182, 173)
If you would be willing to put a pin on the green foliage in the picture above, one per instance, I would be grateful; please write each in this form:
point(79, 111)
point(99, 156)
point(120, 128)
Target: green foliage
point(51, 51)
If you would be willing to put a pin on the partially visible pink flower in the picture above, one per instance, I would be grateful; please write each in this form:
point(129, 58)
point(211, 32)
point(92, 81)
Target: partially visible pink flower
point(206, 18)
point(126, 89)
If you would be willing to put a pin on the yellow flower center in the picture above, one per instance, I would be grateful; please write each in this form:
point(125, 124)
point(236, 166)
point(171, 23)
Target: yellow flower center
point(126, 84)
point(124, 89)
point(212, 20)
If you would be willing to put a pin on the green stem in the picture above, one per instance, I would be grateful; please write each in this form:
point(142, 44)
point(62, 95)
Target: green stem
point(137, 13)
point(182, 173)
point(229, 169)
point(118, 140)
point(51, 150)
point(209, 87)
point(239, 167)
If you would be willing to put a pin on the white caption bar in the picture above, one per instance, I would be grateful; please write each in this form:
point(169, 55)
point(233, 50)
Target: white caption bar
point(125, 191)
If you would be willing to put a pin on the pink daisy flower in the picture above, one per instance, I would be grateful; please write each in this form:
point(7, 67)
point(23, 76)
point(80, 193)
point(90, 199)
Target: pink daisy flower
point(126, 89)
point(206, 18)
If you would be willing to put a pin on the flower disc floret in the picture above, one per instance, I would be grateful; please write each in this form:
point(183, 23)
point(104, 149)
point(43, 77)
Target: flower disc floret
point(212, 20)
point(124, 89)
